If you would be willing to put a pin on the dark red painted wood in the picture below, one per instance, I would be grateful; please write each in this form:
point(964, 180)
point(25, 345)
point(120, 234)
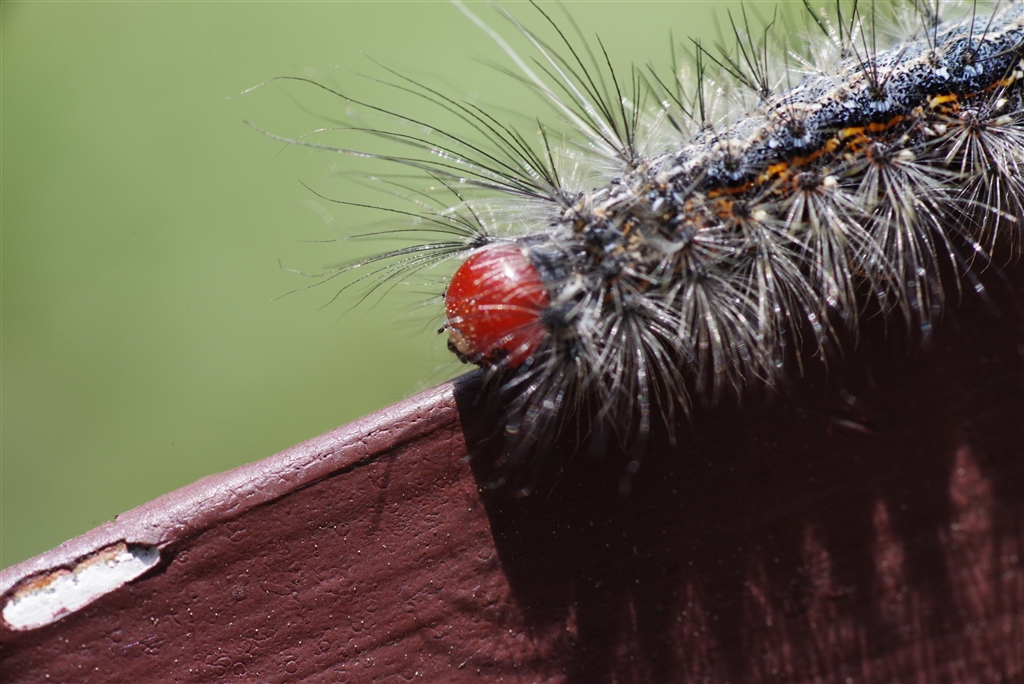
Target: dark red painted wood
point(867, 528)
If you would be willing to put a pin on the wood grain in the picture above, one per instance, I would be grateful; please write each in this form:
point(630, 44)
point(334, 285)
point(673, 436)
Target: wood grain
point(867, 525)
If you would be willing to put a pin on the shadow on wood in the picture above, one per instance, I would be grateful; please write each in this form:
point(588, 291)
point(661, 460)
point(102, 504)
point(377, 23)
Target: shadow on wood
point(864, 529)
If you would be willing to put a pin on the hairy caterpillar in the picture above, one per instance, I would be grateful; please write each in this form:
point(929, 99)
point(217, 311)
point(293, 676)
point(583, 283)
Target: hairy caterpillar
point(701, 233)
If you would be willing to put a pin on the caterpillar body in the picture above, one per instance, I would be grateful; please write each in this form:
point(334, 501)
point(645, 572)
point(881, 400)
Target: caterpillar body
point(755, 212)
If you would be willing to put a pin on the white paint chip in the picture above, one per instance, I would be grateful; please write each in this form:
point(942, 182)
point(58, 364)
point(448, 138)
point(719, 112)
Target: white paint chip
point(47, 598)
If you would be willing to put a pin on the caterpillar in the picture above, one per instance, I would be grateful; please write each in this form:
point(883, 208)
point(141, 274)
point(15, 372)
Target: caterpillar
point(697, 234)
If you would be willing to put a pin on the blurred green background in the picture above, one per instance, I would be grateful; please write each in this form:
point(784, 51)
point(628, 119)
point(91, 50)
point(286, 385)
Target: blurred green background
point(145, 339)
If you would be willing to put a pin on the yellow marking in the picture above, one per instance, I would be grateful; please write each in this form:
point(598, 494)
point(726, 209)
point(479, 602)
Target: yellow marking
point(940, 100)
point(738, 190)
point(853, 131)
point(850, 132)
point(879, 127)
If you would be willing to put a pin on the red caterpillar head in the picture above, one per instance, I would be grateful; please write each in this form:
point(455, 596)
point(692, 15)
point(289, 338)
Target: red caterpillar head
point(494, 304)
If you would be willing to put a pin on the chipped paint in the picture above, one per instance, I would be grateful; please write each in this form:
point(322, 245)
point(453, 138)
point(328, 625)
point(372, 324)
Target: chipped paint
point(49, 597)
